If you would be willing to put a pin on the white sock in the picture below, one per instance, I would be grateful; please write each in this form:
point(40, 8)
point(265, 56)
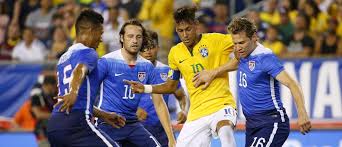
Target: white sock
point(226, 134)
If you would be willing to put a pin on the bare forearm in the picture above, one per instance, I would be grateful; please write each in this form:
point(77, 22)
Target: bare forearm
point(230, 66)
point(181, 97)
point(97, 112)
point(77, 78)
point(170, 86)
point(298, 97)
point(163, 114)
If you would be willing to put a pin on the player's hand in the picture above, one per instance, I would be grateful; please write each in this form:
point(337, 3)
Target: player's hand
point(204, 77)
point(181, 117)
point(136, 87)
point(67, 101)
point(141, 114)
point(304, 123)
point(115, 120)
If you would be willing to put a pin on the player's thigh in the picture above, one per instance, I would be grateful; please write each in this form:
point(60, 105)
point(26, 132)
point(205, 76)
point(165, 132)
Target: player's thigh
point(225, 116)
point(142, 138)
point(91, 137)
point(273, 135)
point(195, 133)
point(159, 133)
point(58, 138)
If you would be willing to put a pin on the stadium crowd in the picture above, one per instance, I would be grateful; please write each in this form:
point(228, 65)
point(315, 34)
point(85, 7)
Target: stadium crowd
point(42, 30)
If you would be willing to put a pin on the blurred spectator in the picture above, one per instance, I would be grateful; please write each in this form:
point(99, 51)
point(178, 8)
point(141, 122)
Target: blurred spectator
point(221, 18)
point(254, 15)
point(339, 20)
point(270, 14)
point(110, 36)
point(318, 20)
point(26, 7)
point(4, 17)
point(285, 28)
point(133, 6)
point(40, 20)
point(161, 16)
point(300, 46)
point(23, 119)
point(290, 6)
point(11, 39)
point(42, 105)
point(29, 49)
point(57, 20)
point(272, 41)
point(99, 6)
point(202, 26)
point(328, 44)
point(60, 43)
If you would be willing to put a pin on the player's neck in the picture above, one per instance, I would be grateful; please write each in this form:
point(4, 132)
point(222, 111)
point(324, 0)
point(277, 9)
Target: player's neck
point(84, 40)
point(130, 58)
point(197, 39)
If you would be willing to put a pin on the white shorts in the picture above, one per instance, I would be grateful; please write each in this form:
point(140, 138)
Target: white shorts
point(198, 133)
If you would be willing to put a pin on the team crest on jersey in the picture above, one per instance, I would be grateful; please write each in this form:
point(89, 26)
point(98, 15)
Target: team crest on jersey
point(204, 52)
point(163, 76)
point(141, 76)
point(251, 65)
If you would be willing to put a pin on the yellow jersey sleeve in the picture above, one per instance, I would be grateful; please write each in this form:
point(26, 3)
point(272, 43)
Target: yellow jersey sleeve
point(226, 43)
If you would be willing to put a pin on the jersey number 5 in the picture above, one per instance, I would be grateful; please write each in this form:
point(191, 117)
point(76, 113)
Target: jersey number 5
point(66, 79)
point(242, 79)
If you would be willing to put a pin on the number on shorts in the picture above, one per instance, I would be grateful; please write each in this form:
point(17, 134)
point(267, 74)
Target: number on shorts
point(258, 142)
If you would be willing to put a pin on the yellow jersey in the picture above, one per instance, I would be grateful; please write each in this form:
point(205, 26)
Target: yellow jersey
point(209, 53)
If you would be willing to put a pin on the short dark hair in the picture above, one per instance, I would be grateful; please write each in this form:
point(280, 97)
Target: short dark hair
point(134, 22)
point(152, 39)
point(186, 14)
point(241, 24)
point(86, 18)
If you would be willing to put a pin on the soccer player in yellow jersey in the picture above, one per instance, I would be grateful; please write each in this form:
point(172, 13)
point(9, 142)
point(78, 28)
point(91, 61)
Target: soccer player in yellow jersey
point(212, 111)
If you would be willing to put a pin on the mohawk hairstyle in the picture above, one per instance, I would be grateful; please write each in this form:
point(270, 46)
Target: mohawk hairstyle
point(88, 18)
point(241, 24)
point(186, 14)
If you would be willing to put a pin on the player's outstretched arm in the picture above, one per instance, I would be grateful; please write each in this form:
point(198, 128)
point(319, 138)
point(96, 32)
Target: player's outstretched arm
point(303, 118)
point(207, 76)
point(181, 97)
point(69, 99)
point(164, 117)
point(111, 118)
point(170, 86)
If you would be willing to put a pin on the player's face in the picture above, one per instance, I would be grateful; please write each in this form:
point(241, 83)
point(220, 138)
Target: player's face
point(187, 33)
point(132, 39)
point(244, 45)
point(150, 54)
point(96, 36)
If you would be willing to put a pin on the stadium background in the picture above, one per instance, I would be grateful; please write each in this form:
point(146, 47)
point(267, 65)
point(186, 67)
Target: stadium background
point(305, 33)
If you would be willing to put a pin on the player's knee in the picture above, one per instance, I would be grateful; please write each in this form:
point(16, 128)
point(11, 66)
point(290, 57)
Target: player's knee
point(222, 123)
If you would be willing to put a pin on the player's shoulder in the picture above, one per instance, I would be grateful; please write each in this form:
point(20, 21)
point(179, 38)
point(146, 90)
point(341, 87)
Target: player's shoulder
point(261, 51)
point(178, 47)
point(141, 61)
point(160, 65)
point(75, 50)
point(113, 55)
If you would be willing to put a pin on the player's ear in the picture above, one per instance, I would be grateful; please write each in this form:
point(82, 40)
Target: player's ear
point(121, 38)
point(254, 37)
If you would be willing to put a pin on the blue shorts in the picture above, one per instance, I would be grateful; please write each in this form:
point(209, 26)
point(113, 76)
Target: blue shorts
point(271, 129)
point(159, 132)
point(132, 135)
point(75, 129)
